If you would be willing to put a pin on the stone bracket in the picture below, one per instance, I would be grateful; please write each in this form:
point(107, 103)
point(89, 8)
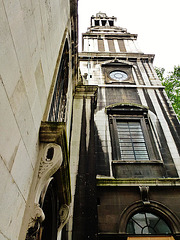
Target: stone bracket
point(55, 133)
point(144, 191)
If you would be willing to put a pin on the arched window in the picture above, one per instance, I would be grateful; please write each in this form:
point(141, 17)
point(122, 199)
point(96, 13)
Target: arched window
point(147, 223)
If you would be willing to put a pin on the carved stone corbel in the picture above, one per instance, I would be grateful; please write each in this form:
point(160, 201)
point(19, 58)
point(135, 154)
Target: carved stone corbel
point(51, 159)
point(37, 215)
point(55, 133)
point(144, 191)
point(64, 215)
point(36, 218)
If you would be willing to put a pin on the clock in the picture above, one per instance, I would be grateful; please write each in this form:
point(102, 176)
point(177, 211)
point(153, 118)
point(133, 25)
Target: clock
point(118, 75)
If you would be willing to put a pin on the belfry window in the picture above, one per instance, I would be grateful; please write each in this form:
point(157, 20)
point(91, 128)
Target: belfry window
point(147, 223)
point(111, 23)
point(96, 22)
point(103, 22)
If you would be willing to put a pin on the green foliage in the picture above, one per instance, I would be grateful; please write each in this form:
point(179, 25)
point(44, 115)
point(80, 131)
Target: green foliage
point(172, 86)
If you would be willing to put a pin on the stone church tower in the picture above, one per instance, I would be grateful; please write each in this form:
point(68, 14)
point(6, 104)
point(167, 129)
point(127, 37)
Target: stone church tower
point(137, 142)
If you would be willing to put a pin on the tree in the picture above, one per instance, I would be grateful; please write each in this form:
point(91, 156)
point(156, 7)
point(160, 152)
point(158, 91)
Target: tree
point(172, 86)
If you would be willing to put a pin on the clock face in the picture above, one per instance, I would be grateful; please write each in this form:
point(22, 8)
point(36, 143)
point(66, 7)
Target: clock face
point(118, 75)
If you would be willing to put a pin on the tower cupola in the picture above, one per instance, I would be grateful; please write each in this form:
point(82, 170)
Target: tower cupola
point(101, 19)
point(102, 23)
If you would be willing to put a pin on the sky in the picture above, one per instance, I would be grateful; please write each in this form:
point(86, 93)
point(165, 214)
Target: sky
point(157, 23)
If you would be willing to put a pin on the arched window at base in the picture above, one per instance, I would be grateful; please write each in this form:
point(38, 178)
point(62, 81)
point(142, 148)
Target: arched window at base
point(153, 221)
point(147, 223)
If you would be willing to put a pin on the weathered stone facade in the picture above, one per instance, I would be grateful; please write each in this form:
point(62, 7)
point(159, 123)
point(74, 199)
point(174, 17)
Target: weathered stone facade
point(37, 39)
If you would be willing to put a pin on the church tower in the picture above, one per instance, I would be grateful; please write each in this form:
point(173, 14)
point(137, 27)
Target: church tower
point(137, 142)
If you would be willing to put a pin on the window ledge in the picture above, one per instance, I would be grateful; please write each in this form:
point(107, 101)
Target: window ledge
point(103, 181)
point(136, 162)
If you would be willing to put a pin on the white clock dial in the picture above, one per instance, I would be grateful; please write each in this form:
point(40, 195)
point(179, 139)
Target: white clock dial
point(118, 75)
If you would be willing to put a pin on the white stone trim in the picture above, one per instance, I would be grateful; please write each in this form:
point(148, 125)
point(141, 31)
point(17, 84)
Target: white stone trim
point(85, 45)
point(140, 91)
point(143, 72)
point(128, 46)
point(102, 124)
point(88, 116)
point(106, 46)
point(156, 81)
point(165, 127)
point(116, 45)
point(95, 45)
point(169, 138)
point(74, 155)
point(137, 46)
point(132, 46)
point(131, 86)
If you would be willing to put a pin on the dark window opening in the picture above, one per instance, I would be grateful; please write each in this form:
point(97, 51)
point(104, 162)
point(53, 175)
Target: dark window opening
point(147, 223)
point(132, 59)
point(111, 23)
point(146, 60)
point(103, 22)
point(96, 22)
point(98, 202)
point(58, 104)
point(49, 225)
point(49, 203)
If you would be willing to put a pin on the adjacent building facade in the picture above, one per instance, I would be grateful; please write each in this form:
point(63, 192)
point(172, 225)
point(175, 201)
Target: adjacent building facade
point(137, 141)
point(38, 73)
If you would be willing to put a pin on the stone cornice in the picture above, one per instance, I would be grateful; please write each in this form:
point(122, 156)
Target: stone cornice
point(106, 55)
point(87, 91)
point(115, 182)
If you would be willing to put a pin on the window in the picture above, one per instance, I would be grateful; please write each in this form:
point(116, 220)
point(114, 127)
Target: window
point(58, 105)
point(111, 23)
point(147, 223)
point(103, 22)
point(131, 140)
point(131, 134)
point(96, 22)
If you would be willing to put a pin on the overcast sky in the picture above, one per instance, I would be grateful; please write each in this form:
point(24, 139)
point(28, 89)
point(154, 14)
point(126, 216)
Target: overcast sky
point(157, 23)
